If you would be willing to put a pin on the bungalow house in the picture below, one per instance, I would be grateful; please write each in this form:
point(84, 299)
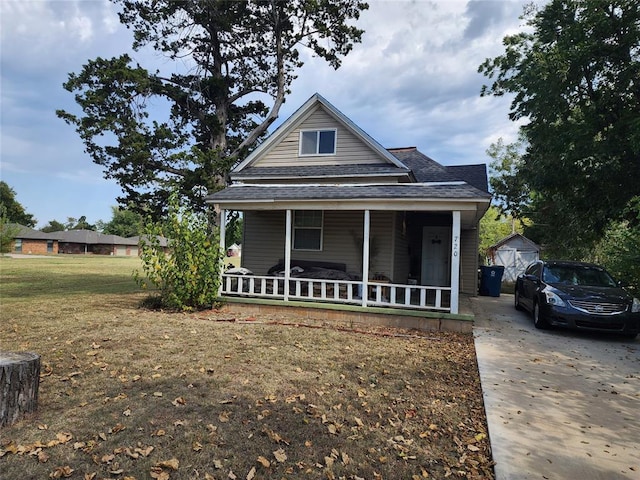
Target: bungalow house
point(330, 216)
point(33, 242)
point(88, 241)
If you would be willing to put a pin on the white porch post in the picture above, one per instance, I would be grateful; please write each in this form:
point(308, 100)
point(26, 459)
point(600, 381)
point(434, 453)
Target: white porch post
point(455, 261)
point(287, 255)
point(223, 231)
point(365, 257)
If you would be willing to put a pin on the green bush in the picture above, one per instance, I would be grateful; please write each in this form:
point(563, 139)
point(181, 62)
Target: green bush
point(619, 251)
point(187, 273)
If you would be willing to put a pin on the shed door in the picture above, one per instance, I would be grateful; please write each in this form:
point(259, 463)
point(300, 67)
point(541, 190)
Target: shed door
point(435, 256)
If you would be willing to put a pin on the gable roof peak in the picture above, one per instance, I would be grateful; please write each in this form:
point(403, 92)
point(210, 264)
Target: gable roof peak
point(299, 116)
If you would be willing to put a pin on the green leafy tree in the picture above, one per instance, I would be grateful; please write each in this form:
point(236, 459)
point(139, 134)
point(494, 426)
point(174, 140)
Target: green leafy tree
point(508, 188)
point(619, 250)
point(8, 232)
point(13, 211)
point(232, 66)
point(494, 226)
point(186, 274)
point(575, 77)
point(124, 222)
point(78, 224)
point(53, 226)
point(234, 229)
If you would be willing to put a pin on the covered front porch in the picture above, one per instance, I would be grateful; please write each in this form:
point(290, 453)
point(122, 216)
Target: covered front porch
point(405, 260)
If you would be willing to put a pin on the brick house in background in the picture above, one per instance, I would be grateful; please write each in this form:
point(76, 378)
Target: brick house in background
point(34, 242)
point(88, 241)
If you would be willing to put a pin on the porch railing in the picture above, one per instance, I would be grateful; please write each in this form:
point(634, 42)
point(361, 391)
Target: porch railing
point(339, 291)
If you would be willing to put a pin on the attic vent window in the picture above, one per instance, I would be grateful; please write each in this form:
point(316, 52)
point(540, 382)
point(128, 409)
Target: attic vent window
point(318, 142)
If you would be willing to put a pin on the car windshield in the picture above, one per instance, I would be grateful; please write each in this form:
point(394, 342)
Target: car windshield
point(577, 275)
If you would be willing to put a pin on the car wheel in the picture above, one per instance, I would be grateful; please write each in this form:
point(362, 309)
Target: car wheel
point(516, 300)
point(538, 321)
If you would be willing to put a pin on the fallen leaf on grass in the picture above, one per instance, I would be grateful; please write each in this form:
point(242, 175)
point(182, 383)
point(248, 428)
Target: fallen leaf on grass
point(90, 476)
point(62, 472)
point(43, 457)
point(173, 464)
point(252, 473)
point(179, 401)
point(144, 451)
point(118, 427)
point(197, 446)
point(280, 455)
point(264, 462)
point(64, 437)
point(158, 473)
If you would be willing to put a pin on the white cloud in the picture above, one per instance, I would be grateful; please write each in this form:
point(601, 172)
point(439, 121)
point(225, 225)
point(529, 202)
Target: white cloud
point(413, 81)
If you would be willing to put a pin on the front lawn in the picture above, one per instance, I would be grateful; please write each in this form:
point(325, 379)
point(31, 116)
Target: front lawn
point(130, 393)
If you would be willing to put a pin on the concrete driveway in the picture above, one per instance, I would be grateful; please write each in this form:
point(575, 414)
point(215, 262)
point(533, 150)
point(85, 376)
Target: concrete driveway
point(560, 405)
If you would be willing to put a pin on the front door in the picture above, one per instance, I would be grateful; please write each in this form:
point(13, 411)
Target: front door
point(436, 250)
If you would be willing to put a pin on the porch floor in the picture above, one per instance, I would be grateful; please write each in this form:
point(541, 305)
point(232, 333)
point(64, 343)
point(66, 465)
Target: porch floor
point(350, 315)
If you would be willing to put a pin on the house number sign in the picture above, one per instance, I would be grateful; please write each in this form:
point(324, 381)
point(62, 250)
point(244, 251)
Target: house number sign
point(455, 246)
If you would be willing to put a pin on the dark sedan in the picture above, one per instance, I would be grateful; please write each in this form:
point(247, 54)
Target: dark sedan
point(577, 295)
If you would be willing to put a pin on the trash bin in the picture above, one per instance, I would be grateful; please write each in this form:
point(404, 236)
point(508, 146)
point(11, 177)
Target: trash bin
point(491, 280)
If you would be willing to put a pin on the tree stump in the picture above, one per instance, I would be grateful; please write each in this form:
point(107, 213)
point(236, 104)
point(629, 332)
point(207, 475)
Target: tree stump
point(19, 382)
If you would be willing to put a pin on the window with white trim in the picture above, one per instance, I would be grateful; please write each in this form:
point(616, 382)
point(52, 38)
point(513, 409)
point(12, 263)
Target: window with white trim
point(307, 229)
point(318, 142)
point(17, 247)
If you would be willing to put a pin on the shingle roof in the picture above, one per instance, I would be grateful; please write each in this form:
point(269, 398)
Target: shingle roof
point(31, 234)
point(320, 171)
point(475, 175)
point(348, 192)
point(92, 238)
point(424, 168)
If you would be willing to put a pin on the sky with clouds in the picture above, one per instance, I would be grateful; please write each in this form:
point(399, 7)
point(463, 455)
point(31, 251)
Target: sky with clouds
point(412, 81)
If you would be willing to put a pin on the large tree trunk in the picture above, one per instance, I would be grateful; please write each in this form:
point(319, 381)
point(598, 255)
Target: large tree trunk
point(19, 382)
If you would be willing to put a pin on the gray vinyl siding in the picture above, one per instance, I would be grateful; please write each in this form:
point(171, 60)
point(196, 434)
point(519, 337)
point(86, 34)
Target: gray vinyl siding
point(401, 251)
point(381, 249)
point(342, 233)
point(349, 148)
point(469, 261)
point(263, 240)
